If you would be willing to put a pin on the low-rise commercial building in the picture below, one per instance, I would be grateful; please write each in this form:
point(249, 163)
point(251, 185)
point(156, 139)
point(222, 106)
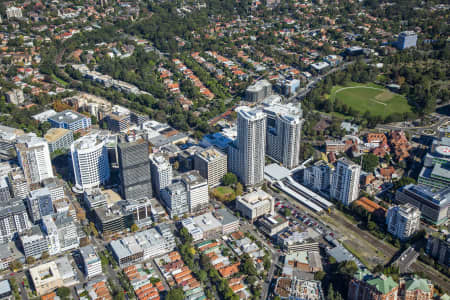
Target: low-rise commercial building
point(272, 225)
point(91, 262)
point(255, 204)
point(59, 139)
point(71, 120)
point(230, 223)
point(46, 278)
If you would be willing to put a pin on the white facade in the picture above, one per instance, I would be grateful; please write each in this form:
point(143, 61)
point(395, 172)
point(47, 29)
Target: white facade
point(247, 155)
point(255, 204)
point(197, 189)
point(13, 12)
point(284, 127)
point(90, 162)
point(318, 176)
point(34, 158)
point(345, 181)
point(91, 262)
point(403, 220)
point(49, 227)
point(161, 173)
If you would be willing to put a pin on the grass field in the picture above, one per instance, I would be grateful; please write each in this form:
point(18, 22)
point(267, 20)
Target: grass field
point(375, 99)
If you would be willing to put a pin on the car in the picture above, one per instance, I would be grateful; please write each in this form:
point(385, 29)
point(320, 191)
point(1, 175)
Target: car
point(12, 274)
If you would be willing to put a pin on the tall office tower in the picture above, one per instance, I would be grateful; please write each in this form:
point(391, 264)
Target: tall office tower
point(161, 173)
point(345, 181)
point(318, 176)
point(246, 155)
point(284, 128)
point(13, 219)
point(403, 220)
point(39, 204)
point(90, 161)
point(212, 165)
point(34, 158)
point(175, 198)
point(134, 167)
point(197, 188)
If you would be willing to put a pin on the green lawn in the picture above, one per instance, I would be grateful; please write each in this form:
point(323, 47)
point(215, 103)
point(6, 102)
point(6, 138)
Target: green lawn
point(224, 190)
point(224, 193)
point(375, 99)
point(59, 80)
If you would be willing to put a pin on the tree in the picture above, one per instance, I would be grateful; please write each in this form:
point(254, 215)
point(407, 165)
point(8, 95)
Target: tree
point(287, 212)
point(134, 228)
point(319, 275)
point(154, 280)
point(93, 229)
point(175, 294)
point(15, 265)
point(202, 275)
point(370, 162)
point(30, 260)
point(176, 165)
point(63, 292)
point(239, 189)
point(185, 236)
point(45, 255)
point(229, 179)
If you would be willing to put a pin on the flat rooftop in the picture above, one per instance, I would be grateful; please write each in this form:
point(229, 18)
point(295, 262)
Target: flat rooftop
point(54, 134)
point(67, 116)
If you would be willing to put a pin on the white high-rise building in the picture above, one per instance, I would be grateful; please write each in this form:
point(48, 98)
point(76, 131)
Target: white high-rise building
point(34, 158)
point(197, 189)
point(49, 227)
point(403, 220)
point(90, 162)
point(161, 173)
point(345, 181)
point(91, 261)
point(318, 176)
point(246, 156)
point(284, 127)
point(175, 198)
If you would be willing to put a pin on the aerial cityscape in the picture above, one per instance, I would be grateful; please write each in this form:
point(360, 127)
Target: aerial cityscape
point(224, 149)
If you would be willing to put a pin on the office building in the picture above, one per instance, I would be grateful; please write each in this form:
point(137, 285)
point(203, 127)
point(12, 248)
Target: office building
point(284, 128)
point(8, 137)
point(365, 286)
point(230, 223)
point(6, 257)
point(59, 139)
point(141, 210)
point(65, 229)
point(13, 219)
point(91, 262)
point(258, 91)
point(112, 220)
point(34, 158)
point(212, 165)
point(439, 249)
point(161, 173)
point(94, 198)
point(15, 97)
point(39, 204)
point(403, 220)
point(18, 184)
point(5, 195)
point(406, 39)
point(246, 156)
point(272, 225)
point(434, 205)
point(119, 119)
point(436, 165)
point(55, 186)
point(90, 162)
point(71, 120)
point(52, 236)
point(255, 204)
point(345, 181)
point(197, 190)
point(141, 246)
point(294, 241)
point(138, 118)
point(5, 287)
point(14, 12)
point(318, 176)
point(415, 288)
point(175, 198)
point(46, 278)
point(134, 166)
point(33, 242)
